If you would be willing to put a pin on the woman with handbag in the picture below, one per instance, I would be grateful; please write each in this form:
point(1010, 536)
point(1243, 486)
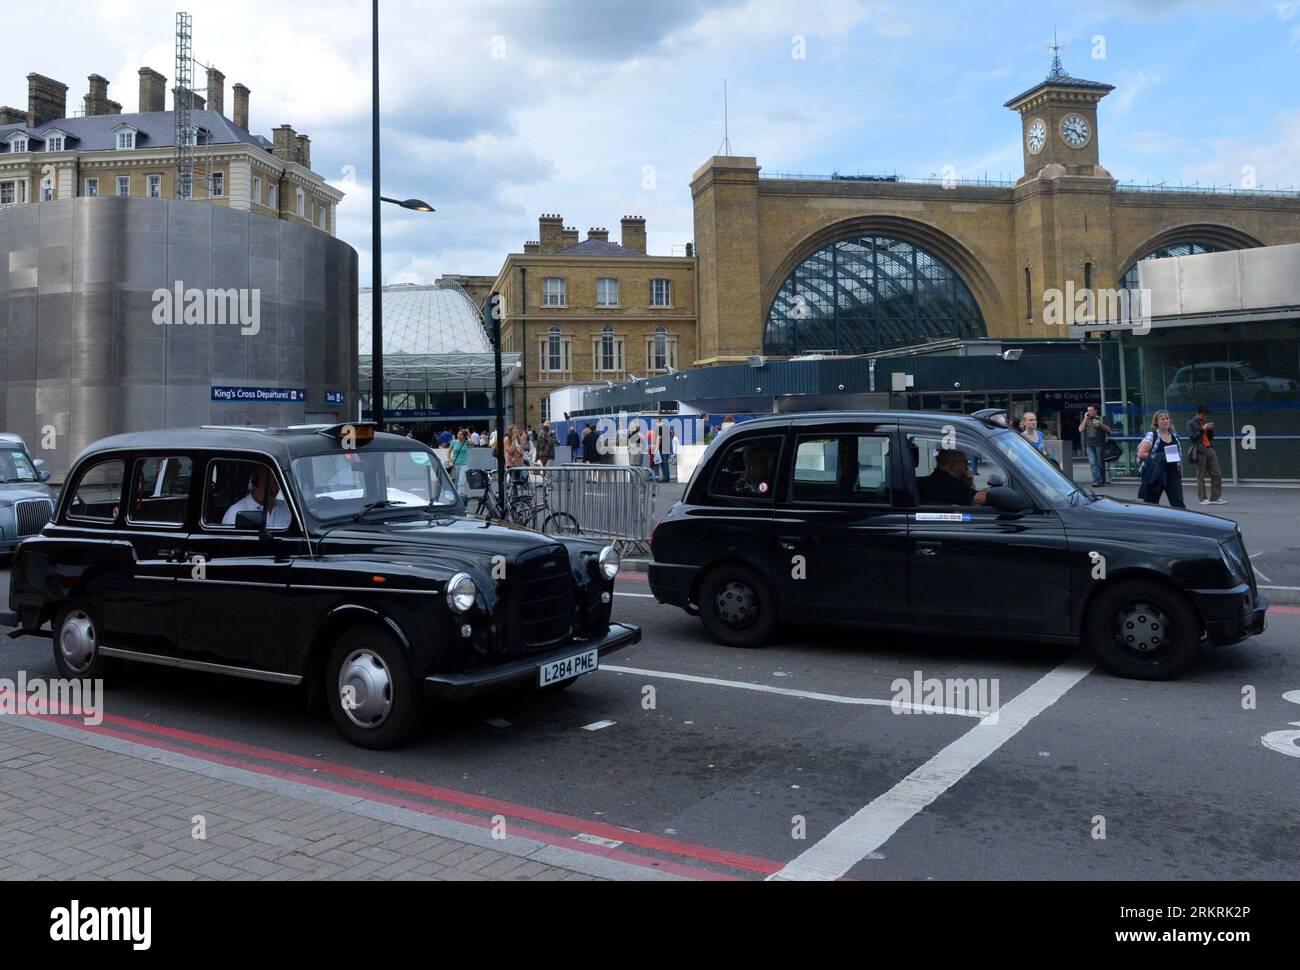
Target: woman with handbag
point(1161, 457)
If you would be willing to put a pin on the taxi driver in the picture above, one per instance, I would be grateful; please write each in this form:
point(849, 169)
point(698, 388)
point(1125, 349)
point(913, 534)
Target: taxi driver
point(951, 482)
point(261, 497)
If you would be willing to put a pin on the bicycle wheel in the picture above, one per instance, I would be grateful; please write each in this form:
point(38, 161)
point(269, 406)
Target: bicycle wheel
point(561, 524)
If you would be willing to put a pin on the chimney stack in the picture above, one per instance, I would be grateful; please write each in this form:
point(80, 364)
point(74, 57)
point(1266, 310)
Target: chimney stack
point(114, 107)
point(568, 237)
point(600, 235)
point(216, 91)
point(531, 248)
point(153, 90)
point(197, 104)
point(304, 151)
point(284, 143)
point(549, 230)
point(12, 116)
point(96, 101)
point(634, 233)
point(241, 106)
point(47, 100)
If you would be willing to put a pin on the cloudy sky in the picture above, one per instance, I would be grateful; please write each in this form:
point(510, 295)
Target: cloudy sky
point(497, 110)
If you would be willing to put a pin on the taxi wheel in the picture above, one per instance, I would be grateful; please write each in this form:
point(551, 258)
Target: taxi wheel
point(76, 644)
point(1144, 631)
point(372, 698)
point(737, 606)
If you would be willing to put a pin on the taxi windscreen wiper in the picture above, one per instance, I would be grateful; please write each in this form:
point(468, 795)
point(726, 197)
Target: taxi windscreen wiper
point(383, 504)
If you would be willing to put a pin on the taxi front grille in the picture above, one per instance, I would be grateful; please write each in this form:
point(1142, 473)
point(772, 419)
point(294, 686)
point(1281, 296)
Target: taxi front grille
point(31, 515)
point(545, 598)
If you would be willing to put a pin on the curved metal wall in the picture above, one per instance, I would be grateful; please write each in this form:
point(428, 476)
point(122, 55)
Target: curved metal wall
point(80, 352)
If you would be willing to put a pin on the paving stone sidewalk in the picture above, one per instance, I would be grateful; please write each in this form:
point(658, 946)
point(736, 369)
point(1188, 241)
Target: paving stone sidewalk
point(71, 810)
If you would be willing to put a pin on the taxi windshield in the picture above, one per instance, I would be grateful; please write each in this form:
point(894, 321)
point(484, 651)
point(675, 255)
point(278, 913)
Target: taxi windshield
point(16, 467)
point(1030, 465)
point(351, 482)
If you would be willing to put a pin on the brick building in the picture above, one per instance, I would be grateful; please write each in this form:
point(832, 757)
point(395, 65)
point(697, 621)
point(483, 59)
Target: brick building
point(591, 311)
point(843, 266)
point(48, 153)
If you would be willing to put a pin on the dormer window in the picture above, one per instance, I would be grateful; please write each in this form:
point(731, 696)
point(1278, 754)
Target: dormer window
point(54, 143)
point(18, 144)
point(124, 136)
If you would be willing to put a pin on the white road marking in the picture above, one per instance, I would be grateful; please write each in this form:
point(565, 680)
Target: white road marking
point(1259, 572)
point(791, 692)
point(874, 825)
point(597, 725)
point(598, 840)
point(1292, 588)
point(640, 596)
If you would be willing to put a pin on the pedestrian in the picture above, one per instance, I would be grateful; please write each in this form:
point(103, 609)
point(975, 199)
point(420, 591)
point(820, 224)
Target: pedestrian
point(460, 460)
point(661, 440)
point(1161, 457)
point(672, 455)
point(1201, 453)
point(573, 442)
point(1094, 432)
point(1029, 430)
point(444, 439)
point(728, 422)
point(546, 445)
point(473, 439)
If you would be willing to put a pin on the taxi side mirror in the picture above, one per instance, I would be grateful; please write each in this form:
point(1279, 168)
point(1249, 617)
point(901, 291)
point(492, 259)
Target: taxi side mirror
point(253, 519)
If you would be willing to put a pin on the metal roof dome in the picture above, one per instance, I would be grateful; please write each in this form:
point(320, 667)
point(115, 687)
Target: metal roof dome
point(421, 319)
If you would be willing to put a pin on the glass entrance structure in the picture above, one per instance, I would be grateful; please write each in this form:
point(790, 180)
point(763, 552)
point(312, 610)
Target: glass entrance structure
point(868, 293)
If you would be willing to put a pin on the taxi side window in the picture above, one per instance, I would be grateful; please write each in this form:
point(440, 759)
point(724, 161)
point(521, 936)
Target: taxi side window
point(99, 492)
point(842, 468)
point(231, 486)
point(161, 491)
point(950, 469)
point(747, 470)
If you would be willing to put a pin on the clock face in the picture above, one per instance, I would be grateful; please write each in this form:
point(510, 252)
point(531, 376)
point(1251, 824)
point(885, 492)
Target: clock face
point(1075, 131)
point(1036, 136)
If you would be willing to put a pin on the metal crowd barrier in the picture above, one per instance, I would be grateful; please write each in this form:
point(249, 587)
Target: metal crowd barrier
point(609, 501)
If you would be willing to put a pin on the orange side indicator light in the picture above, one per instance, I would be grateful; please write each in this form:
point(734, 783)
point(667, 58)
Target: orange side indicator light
point(379, 579)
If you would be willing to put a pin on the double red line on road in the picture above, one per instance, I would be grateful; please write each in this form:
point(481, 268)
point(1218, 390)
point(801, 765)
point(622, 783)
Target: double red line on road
point(278, 764)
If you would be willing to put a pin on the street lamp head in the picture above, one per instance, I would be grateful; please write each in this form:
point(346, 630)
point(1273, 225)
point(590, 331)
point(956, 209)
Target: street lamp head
point(418, 205)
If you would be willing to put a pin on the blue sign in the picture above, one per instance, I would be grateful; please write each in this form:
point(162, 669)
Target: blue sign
point(333, 397)
point(417, 413)
point(227, 394)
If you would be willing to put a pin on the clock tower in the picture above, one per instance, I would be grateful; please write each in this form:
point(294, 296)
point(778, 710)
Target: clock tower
point(1059, 124)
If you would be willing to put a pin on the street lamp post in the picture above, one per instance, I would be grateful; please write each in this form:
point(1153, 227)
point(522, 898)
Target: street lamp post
point(376, 268)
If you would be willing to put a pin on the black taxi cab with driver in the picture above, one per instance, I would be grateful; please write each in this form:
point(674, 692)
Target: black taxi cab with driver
point(943, 524)
point(335, 557)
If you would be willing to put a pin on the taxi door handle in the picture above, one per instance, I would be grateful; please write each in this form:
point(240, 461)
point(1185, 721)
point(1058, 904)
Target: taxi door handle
point(928, 548)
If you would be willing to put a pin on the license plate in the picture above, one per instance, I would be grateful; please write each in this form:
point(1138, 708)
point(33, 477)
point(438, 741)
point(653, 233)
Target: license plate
point(557, 670)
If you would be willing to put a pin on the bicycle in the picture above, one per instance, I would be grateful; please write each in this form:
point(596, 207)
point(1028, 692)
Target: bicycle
point(521, 505)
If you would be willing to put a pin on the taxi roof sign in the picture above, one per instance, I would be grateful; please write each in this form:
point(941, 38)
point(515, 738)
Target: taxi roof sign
point(351, 433)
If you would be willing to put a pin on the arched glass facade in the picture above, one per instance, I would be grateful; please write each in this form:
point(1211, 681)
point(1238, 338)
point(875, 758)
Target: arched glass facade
point(1191, 248)
point(866, 293)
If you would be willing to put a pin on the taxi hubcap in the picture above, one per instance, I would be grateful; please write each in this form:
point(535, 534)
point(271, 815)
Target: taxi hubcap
point(77, 640)
point(365, 688)
point(1142, 629)
point(737, 605)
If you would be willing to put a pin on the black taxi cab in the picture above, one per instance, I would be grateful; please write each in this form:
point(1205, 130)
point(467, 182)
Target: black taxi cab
point(944, 524)
point(335, 557)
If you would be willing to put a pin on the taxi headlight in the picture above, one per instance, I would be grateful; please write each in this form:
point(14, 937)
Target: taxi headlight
point(609, 562)
point(461, 592)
